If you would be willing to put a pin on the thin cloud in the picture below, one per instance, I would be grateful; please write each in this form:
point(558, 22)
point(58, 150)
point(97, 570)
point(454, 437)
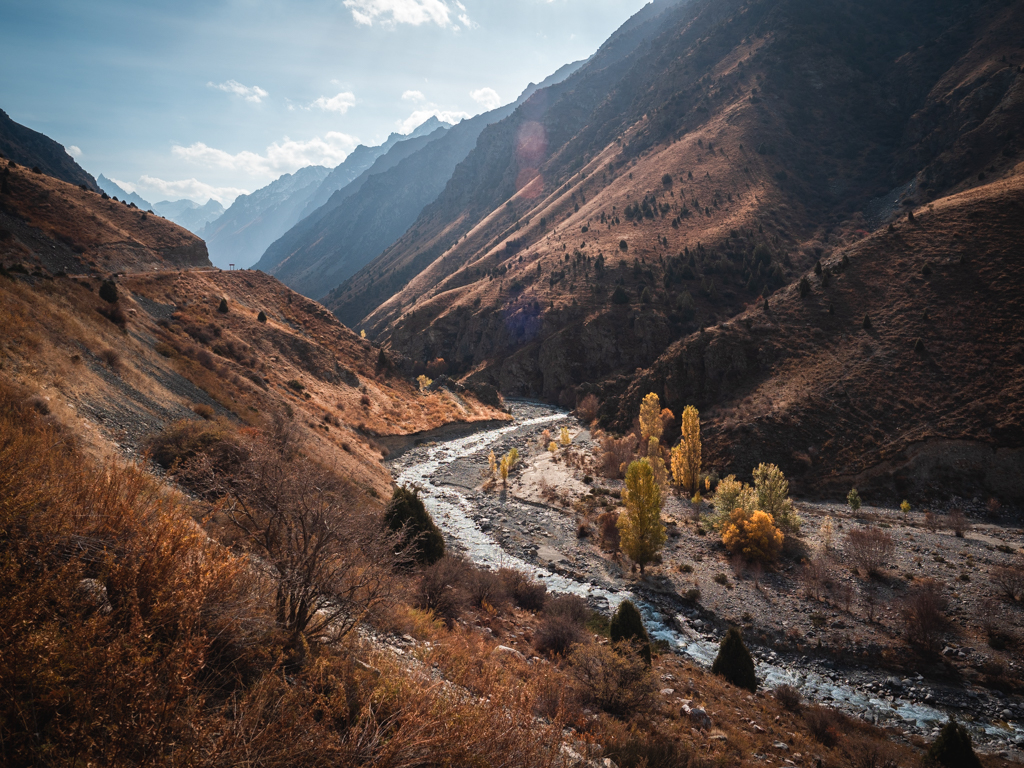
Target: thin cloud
point(487, 98)
point(420, 116)
point(157, 189)
point(253, 93)
point(284, 157)
point(74, 151)
point(413, 96)
point(392, 12)
point(340, 103)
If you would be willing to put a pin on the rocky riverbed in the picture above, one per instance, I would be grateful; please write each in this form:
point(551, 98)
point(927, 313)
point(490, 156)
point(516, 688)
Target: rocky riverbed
point(529, 525)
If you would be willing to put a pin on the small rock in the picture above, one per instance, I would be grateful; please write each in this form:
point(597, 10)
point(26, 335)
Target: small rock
point(781, 745)
point(504, 650)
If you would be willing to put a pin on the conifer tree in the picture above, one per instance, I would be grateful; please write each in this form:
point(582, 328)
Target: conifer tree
point(734, 663)
point(406, 514)
point(640, 527)
point(953, 749)
point(627, 625)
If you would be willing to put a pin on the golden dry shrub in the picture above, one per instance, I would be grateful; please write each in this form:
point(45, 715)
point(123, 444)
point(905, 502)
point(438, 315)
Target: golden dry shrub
point(650, 418)
point(640, 527)
point(753, 535)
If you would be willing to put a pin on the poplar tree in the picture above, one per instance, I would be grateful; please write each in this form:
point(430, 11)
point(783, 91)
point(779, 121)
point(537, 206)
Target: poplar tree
point(640, 528)
point(650, 419)
point(686, 457)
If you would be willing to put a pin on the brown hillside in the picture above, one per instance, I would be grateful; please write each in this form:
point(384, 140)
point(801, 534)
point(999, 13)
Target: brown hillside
point(925, 401)
point(60, 227)
point(115, 375)
point(785, 130)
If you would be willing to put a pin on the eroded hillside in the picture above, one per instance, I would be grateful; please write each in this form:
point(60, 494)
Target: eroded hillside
point(898, 369)
point(704, 158)
point(60, 227)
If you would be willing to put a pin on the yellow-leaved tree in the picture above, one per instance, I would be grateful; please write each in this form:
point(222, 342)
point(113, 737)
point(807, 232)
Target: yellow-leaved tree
point(650, 419)
point(686, 456)
point(657, 462)
point(508, 463)
point(564, 438)
point(752, 535)
point(640, 528)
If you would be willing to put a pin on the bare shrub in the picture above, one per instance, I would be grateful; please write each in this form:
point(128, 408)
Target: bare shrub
point(923, 613)
point(556, 635)
point(526, 593)
point(789, 697)
point(608, 524)
point(817, 578)
point(1009, 582)
point(617, 454)
point(111, 357)
point(618, 682)
point(439, 588)
point(870, 753)
point(587, 409)
point(869, 548)
point(957, 522)
point(486, 589)
point(826, 725)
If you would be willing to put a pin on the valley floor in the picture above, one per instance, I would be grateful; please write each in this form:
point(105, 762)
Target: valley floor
point(813, 621)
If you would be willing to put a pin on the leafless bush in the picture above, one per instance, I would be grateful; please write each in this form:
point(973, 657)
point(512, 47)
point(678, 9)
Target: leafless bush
point(563, 625)
point(826, 725)
point(923, 613)
point(869, 548)
point(616, 453)
point(616, 681)
point(587, 409)
point(1009, 582)
point(111, 357)
point(439, 588)
point(486, 589)
point(789, 697)
point(870, 753)
point(526, 593)
point(957, 522)
point(610, 537)
point(817, 578)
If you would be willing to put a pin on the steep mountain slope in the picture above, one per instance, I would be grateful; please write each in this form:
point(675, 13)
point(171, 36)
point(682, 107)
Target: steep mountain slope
point(188, 214)
point(60, 227)
point(362, 159)
point(27, 147)
point(900, 372)
point(254, 221)
point(703, 158)
point(365, 217)
point(115, 190)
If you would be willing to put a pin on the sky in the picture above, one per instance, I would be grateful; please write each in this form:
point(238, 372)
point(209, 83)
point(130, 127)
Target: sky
point(214, 98)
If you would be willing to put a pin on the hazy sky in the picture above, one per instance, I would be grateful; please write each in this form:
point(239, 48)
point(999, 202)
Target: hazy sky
point(200, 98)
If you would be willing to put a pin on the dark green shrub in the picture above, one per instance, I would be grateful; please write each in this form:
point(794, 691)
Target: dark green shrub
point(867, 323)
point(734, 662)
point(261, 317)
point(407, 515)
point(108, 292)
point(805, 287)
point(223, 306)
point(627, 624)
point(623, 245)
point(619, 296)
point(952, 749)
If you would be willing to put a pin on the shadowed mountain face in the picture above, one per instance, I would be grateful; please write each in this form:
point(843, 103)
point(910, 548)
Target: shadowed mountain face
point(254, 221)
point(704, 159)
point(365, 217)
point(361, 160)
point(31, 148)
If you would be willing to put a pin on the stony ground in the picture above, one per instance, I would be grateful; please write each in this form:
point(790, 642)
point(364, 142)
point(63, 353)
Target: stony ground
point(850, 632)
